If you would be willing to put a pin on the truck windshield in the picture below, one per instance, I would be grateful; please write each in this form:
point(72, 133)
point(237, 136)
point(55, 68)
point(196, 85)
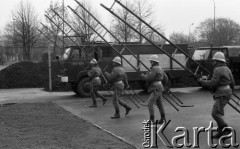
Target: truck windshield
point(201, 54)
point(66, 54)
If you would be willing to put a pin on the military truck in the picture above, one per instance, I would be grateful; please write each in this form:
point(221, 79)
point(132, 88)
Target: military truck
point(75, 63)
point(204, 55)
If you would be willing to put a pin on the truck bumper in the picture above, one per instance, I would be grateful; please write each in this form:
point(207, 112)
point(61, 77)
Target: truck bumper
point(63, 79)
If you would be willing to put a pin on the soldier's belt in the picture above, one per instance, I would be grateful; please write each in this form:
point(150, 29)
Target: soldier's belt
point(223, 87)
point(96, 78)
point(118, 82)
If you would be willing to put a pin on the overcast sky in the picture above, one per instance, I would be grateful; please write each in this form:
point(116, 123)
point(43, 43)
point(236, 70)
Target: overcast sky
point(174, 15)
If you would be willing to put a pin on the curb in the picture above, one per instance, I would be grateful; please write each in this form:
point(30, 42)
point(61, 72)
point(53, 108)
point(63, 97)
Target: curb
point(99, 127)
point(112, 134)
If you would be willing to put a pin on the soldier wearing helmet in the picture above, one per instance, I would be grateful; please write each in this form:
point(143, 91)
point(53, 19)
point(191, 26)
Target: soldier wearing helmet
point(95, 75)
point(154, 80)
point(222, 83)
point(118, 77)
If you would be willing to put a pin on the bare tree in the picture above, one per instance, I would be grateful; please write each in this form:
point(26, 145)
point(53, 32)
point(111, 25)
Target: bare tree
point(144, 10)
point(24, 28)
point(178, 38)
point(122, 31)
point(224, 34)
point(56, 27)
point(84, 31)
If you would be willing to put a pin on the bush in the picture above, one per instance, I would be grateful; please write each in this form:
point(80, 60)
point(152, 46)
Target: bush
point(27, 74)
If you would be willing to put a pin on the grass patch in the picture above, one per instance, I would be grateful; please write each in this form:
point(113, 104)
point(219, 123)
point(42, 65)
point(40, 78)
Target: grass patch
point(46, 125)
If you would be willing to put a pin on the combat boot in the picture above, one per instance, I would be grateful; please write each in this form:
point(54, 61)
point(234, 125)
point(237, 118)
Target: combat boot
point(152, 119)
point(162, 120)
point(116, 115)
point(127, 110)
point(219, 133)
point(125, 106)
point(104, 100)
point(94, 105)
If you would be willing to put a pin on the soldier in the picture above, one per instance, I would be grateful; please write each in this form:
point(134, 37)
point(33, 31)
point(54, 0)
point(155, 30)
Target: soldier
point(95, 75)
point(118, 77)
point(154, 80)
point(222, 84)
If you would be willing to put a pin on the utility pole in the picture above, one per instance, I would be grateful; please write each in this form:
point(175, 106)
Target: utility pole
point(63, 23)
point(189, 32)
point(49, 68)
point(214, 11)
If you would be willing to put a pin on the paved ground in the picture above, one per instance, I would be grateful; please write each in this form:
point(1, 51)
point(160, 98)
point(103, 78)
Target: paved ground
point(130, 127)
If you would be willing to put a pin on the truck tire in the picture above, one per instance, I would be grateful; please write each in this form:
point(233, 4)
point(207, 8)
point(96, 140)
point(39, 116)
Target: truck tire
point(83, 88)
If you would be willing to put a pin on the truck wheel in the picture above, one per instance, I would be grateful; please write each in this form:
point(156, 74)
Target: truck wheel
point(83, 87)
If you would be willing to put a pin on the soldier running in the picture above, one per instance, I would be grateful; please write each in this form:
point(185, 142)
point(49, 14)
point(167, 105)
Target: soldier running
point(118, 77)
point(222, 84)
point(95, 75)
point(154, 80)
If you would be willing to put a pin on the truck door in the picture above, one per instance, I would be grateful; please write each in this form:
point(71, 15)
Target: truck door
point(76, 63)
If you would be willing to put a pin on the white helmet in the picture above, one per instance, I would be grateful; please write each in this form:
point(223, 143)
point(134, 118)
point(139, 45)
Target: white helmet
point(154, 58)
point(93, 61)
point(219, 56)
point(117, 59)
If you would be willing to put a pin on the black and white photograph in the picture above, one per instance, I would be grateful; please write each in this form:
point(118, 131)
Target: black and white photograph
point(119, 74)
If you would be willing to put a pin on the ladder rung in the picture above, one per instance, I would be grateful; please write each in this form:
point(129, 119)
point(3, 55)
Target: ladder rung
point(112, 5)
point(174, 52)
point(122, 50)
point(83, 48)
point(196, 70)
point(105, 34)
point(163, 44)
point(187, 60)
point(237, 104)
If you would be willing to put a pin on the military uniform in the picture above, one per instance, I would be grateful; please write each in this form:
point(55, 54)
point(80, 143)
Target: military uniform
point(95, 75)
point(222, 84)
point(116, 78)
point(154, 79)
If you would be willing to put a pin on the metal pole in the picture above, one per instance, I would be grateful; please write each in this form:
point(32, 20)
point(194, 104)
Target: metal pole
point(53, 33)
point(111, 35)
point(189, 32)
point(149, 41)
point(63, 25)
point(49, 69)
point(214, 10)
point(102, 38)
point(157, 32)
point(47, 37)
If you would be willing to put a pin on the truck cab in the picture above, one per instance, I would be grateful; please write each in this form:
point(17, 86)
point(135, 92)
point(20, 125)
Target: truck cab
point(75, 63)
point(204, 55)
